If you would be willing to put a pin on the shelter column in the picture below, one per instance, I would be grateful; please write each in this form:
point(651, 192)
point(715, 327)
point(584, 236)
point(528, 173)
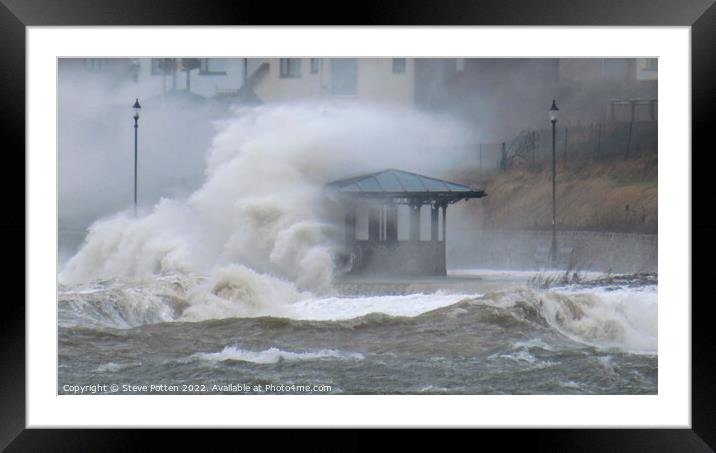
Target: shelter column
point(434, 214)
point(415, 222)
point(374, 224)
point(350, 224)
point(391, 225)
point(444, 222)
point(443, 253)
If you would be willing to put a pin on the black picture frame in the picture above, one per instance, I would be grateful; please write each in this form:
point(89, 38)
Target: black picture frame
point(16, 15)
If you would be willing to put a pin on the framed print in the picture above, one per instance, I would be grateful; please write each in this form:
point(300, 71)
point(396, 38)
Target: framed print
point(361, 226)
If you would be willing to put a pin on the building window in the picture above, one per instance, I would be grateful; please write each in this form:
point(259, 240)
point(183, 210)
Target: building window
point(290, 67)
point(652, 64)
point(212, 66)
point(459, 64)
point(344, 76)
point(398, 65)
point(616, 68)
point(315, 65)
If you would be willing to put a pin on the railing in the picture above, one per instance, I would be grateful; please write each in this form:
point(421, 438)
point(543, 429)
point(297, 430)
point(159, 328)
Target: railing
point(594, 142)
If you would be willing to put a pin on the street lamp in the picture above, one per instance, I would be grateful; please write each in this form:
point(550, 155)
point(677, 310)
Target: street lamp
point(553, 113)
point(136, 108)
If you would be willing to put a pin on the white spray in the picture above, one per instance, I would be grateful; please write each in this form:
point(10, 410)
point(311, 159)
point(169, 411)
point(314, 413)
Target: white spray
point(257, 217)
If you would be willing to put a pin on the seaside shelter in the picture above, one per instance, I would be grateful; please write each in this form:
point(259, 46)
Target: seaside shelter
point(375, 200)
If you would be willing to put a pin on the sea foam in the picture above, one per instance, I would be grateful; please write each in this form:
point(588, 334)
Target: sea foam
point(274, 355)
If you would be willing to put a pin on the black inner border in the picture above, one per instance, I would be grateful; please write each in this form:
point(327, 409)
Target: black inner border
point(15, 15)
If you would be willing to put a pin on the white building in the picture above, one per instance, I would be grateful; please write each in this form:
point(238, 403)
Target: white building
point(212, 76)
point(380, 80)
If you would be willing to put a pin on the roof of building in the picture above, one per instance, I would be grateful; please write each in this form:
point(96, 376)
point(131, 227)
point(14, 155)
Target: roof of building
point(400, 183)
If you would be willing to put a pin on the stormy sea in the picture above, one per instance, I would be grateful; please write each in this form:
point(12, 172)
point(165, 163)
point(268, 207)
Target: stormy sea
point(492, 332)
point(233, 287)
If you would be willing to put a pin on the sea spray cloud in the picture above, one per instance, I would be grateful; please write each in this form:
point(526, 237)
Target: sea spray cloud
point(260, 205)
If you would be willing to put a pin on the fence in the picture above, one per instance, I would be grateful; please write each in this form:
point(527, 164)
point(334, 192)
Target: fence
point(574, 143)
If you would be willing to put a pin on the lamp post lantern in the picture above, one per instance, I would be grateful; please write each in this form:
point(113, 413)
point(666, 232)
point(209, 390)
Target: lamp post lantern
point(553, 113)
point(136, 108)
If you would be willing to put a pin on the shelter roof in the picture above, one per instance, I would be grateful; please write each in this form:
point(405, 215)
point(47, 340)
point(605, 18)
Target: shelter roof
point(399, 183)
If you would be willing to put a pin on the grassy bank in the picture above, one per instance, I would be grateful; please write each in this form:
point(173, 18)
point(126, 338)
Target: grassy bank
point(620, 196)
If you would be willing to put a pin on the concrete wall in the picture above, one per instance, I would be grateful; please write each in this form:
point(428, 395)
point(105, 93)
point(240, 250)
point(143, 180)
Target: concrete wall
point(403, 258)
point(527, 250)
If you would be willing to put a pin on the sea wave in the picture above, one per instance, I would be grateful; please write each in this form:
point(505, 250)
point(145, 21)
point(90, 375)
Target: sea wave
point(623, 318)
point(113, 367)
point(229, 292)
point(274, 355)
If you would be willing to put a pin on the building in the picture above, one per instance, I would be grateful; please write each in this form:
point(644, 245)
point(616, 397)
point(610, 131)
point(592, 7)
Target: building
point(112, 72)
point(610, 89)
point(206, 77)
point(376, 240)
point(264, 80)
point(150, 77)
point(377, 80)
point(500, 97)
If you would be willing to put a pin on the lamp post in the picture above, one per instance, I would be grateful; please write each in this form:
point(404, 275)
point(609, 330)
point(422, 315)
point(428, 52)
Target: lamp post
point(553, 113)
point(136, 108)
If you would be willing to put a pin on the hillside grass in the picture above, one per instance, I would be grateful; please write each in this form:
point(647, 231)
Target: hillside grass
point(619, 195)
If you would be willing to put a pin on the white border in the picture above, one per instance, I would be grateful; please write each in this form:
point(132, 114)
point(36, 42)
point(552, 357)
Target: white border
point(670, 408)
